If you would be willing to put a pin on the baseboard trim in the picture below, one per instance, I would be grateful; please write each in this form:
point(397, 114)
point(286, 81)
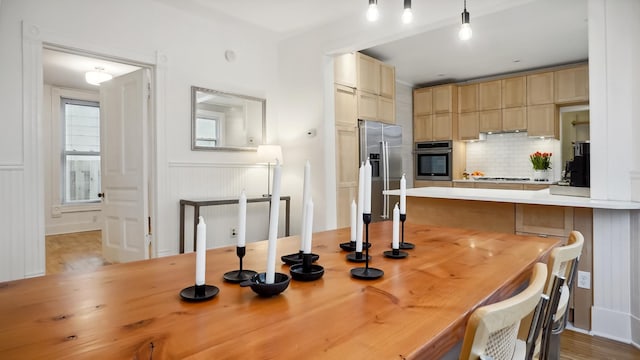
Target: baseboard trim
point(610, 324)
point(163, 253)
point(71, 228)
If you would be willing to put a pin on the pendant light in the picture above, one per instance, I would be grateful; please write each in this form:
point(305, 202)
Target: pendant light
point(465, 32)
point(372, 11)
point(407, 14)
point(97, 76)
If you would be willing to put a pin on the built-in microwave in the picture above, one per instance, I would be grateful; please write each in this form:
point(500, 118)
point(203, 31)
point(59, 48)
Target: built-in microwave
point(433, 160)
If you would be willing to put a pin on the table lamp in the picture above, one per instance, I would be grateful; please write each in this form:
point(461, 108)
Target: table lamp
point(267, 154)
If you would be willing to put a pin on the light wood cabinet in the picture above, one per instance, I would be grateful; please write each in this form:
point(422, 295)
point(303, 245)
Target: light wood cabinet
point(423, 128)
point(572, 85)
point(540, 88)
point(346, 108)
point(502, 186)
point(427, 183)
point(387, 81)
point(544, 219)
point(344, 70)
point(347, 156)
point(534, 186)
point(386, 110)
point(514, 92)
point(423, 101)
point(367, 105)
point(514, 119)
point(445, 98)
point(490, 95)
point(344, 197)
point(368, 70)
point(468, 126)
point(443, 126)
point(490, 121)
point(543, 121)
point(468, 185)
point(468, 98)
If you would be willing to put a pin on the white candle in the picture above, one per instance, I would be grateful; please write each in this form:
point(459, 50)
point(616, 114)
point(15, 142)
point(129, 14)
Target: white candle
point(242, 219)
point(360, 226)
point(201, 250)
point(367, 187)
point(306, 195)
point(354, 221)
point(403, 195)
point(396, 228)
point(308, 228)
point(273, 225)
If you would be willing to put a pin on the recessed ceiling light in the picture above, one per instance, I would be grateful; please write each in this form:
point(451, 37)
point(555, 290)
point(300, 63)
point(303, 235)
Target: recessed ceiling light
point(441, 75)
point(516, 60)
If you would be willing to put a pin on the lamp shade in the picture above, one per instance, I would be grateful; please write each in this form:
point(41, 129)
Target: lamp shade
point(269, 153)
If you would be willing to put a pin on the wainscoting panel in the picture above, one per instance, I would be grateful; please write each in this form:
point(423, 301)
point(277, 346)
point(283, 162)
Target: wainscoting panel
point(12, 223)
point(209, 181)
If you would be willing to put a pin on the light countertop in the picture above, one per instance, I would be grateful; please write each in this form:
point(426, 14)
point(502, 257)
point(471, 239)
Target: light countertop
point(538, 197)
point(529, 182)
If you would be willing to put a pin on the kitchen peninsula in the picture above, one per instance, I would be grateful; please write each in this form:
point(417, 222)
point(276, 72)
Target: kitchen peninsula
point(525, 212)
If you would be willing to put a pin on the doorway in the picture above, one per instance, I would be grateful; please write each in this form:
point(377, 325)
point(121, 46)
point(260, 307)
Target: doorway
point(73, 211)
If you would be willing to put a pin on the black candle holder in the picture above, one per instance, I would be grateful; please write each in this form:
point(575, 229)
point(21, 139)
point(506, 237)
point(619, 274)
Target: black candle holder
point(306, 271)
point(358, 256)
point(350, 246)
point(366, 272)
point(259, 285)
point(404, 245)
point(198, 293)
point(395, 254)
point(237, 276)
point(296, 258)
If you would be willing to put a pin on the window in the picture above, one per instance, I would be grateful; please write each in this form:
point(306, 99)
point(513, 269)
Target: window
point(207, 130)
point(80, 151)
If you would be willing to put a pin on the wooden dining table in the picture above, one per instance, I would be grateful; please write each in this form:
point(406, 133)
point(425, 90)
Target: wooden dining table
point(417, 310)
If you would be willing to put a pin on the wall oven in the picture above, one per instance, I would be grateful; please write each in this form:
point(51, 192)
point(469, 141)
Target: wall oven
point(433, 160)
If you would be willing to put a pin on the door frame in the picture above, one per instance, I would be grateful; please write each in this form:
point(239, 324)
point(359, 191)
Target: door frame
point(34, 39)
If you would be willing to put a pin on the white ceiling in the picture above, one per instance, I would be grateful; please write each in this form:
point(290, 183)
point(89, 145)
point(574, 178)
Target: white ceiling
point(535, 33)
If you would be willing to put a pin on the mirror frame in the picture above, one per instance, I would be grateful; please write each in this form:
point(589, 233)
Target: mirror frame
point(194, 90)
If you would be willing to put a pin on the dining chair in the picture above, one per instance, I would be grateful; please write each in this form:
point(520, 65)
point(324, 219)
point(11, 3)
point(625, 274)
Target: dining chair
point(492, 330)
point(561, 268)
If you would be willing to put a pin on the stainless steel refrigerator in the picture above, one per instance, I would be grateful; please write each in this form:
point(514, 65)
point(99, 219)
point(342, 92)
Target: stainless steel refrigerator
point(382, 144)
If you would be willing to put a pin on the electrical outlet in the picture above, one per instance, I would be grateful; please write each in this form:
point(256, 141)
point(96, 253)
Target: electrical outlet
point(234, 233)
point(584, 279)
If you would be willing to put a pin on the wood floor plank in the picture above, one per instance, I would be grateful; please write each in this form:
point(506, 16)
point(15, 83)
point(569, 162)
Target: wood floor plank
point(579, 346)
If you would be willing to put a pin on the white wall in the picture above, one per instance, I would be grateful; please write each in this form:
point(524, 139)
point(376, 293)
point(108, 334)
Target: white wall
point(147, 31)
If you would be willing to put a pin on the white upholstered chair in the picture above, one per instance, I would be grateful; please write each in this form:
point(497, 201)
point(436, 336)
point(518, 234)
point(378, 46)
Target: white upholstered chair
point(492, 330)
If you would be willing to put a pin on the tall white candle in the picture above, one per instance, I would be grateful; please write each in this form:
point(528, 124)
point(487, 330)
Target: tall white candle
point(354, 221)
point(308, 228)
point(273, 225)
point(201, 250)
point(306, 195)
point(367, 187)
point(396, 228)
point(360, 226)
point(403, 195)
point(242, 219)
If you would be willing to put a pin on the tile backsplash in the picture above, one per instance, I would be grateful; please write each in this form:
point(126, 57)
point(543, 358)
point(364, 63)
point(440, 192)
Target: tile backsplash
point(507, 155)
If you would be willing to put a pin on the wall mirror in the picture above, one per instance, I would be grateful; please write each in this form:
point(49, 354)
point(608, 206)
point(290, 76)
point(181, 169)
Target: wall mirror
point(224, 121)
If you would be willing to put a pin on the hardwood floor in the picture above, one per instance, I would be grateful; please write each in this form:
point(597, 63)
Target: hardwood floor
point(74, 252)
point(83, 252)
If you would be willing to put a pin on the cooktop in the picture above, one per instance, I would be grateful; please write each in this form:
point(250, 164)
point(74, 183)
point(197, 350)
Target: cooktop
point(504, 178)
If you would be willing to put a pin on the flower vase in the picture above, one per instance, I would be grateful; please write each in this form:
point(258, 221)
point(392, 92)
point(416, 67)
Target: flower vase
point(540, 175)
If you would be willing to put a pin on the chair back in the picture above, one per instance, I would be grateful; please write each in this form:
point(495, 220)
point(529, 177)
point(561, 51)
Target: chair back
point(561, 260)
point(492, 329)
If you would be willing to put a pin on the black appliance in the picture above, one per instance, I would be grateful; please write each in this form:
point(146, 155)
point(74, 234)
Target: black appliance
point(433, 160)
point(579, 168)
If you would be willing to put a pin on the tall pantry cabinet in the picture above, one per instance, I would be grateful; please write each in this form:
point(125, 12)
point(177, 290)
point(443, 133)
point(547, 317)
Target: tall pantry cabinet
point(364, 88)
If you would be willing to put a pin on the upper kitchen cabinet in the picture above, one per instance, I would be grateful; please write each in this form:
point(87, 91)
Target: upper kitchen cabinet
point(367, 105)
point(490, 95)
point(468, 126)
point(468, 98)
point(540, 89)
point(368, 70)
point(445, 98)
point(572, 85)
point(443, 126)
point(344, 70)
point(514, 92)
point(387, 81)
point(543, 121)
point(346, 108)
point(514, 119)
point(490, 121)
point(423, 101)
point(423, 128)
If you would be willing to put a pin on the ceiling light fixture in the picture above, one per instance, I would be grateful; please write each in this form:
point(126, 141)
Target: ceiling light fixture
point(372, 11)
point(407, 14)
point(465, 30)
point(97, 76)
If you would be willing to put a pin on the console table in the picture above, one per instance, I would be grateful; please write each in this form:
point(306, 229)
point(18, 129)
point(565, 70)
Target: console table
point(223, 201)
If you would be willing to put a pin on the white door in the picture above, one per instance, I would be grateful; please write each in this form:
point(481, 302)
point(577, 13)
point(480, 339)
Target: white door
point(123, 140)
